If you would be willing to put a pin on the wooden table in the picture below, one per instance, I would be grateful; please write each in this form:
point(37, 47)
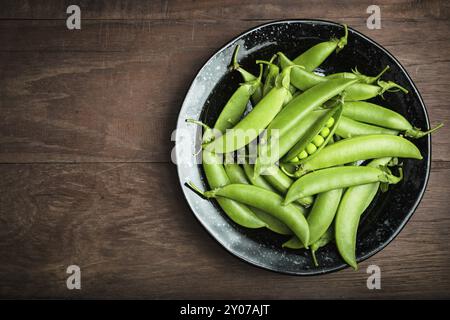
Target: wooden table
point(86, 178)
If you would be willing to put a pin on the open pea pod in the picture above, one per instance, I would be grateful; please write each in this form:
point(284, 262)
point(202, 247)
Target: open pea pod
point(317, 136)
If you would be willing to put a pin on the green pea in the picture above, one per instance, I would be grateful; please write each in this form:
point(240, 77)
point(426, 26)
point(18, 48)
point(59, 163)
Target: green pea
point(296, 159)
point(325, 132)
point(310, 148)
point(318, 140)
point(330, 122)
point(302, 155)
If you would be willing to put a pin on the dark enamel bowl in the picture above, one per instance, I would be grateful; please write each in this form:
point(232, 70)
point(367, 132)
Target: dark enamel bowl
point(214, 84)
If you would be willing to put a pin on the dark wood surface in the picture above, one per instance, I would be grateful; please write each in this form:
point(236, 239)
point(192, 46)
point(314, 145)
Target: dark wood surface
point(86, 178)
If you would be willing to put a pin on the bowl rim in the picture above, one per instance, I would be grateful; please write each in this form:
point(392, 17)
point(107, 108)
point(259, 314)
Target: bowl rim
point(368, 254)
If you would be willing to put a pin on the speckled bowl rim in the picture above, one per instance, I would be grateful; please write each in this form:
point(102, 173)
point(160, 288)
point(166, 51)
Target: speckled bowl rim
point(407, 217)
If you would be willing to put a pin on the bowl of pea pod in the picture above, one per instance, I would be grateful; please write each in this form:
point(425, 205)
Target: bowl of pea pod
point(303, 147)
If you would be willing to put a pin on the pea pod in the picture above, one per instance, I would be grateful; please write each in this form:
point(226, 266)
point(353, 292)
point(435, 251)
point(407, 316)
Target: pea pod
point(359, 148)
point(313, 132)
point(354, 202)
point(293, 113)
point(348, 128)
point(336, 178)
point(236, 105)
point(237, 175)
point(247, 76)
point(377, 115)
point(267, 201)
point(316, 55)
point(272, 73)
point(322, 213)
point(303, 80)
point(257, 120)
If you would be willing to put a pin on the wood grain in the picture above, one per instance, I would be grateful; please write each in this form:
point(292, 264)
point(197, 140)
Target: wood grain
point(85, 124)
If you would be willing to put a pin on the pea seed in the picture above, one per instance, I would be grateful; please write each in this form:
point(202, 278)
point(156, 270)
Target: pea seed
point(310, 148)
point(296, 159)
point(302, 155)
point(330, 122)
point(325, 132)
point(318, 140)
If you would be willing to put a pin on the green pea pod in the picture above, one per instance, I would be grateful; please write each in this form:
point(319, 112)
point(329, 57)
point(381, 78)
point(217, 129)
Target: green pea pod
point(348, 128)
point(377, 115)
point(355, 74)
point(334, 113)
point(217, 177)
point(258, 180)
point(257, 120)
point(281, 182)
point(354, 202)
point(236, 105)
point(363, 91)
point(291, 116)
point(267, 201)
point(322, 213)
point(237, 175)
point(247, 76)
point(336, 178)
point(359, 148)
point(314, 56)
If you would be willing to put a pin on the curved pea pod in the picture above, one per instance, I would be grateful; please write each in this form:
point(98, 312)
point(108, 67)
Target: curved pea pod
point(359, 148)
point(364, 91)
point(217, 177)
point(281, 182)
point(337, 178)
point(322, 213)
point(314, 56)
point(314, 131)
point(256, 180)
point(355, 74)
point(236, 105)
point(247, 76)
point(377, 115)
point(267, 201)
point(304, 79)
point(354, 202)
point(256, 121)
point(348, 128)
point(237, 175)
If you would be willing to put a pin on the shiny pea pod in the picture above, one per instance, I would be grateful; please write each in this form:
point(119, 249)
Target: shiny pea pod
point(364, 91)
point(329, 120)
point(354, 202)
point(293, 113)
point(336, 178)
point(377, 115)
point(316, 55)
point(359, 148)
point(322, 213)
point(237, 175)
point(247, 76)
point(348, 128)
point(248, 129)
point(267, 201)
point(355, 74)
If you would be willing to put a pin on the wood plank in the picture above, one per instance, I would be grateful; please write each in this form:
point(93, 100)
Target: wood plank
point(112, 92)
point(129, 229)
point(223, 10)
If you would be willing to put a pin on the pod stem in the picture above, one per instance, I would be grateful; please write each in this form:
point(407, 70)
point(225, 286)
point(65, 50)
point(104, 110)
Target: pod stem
point(390, 178)
point(390, 86)
point(198, 122)
point(196, 189)
point(342, 41)
point(313, 254)
point(234, 63)
point(416, 133)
